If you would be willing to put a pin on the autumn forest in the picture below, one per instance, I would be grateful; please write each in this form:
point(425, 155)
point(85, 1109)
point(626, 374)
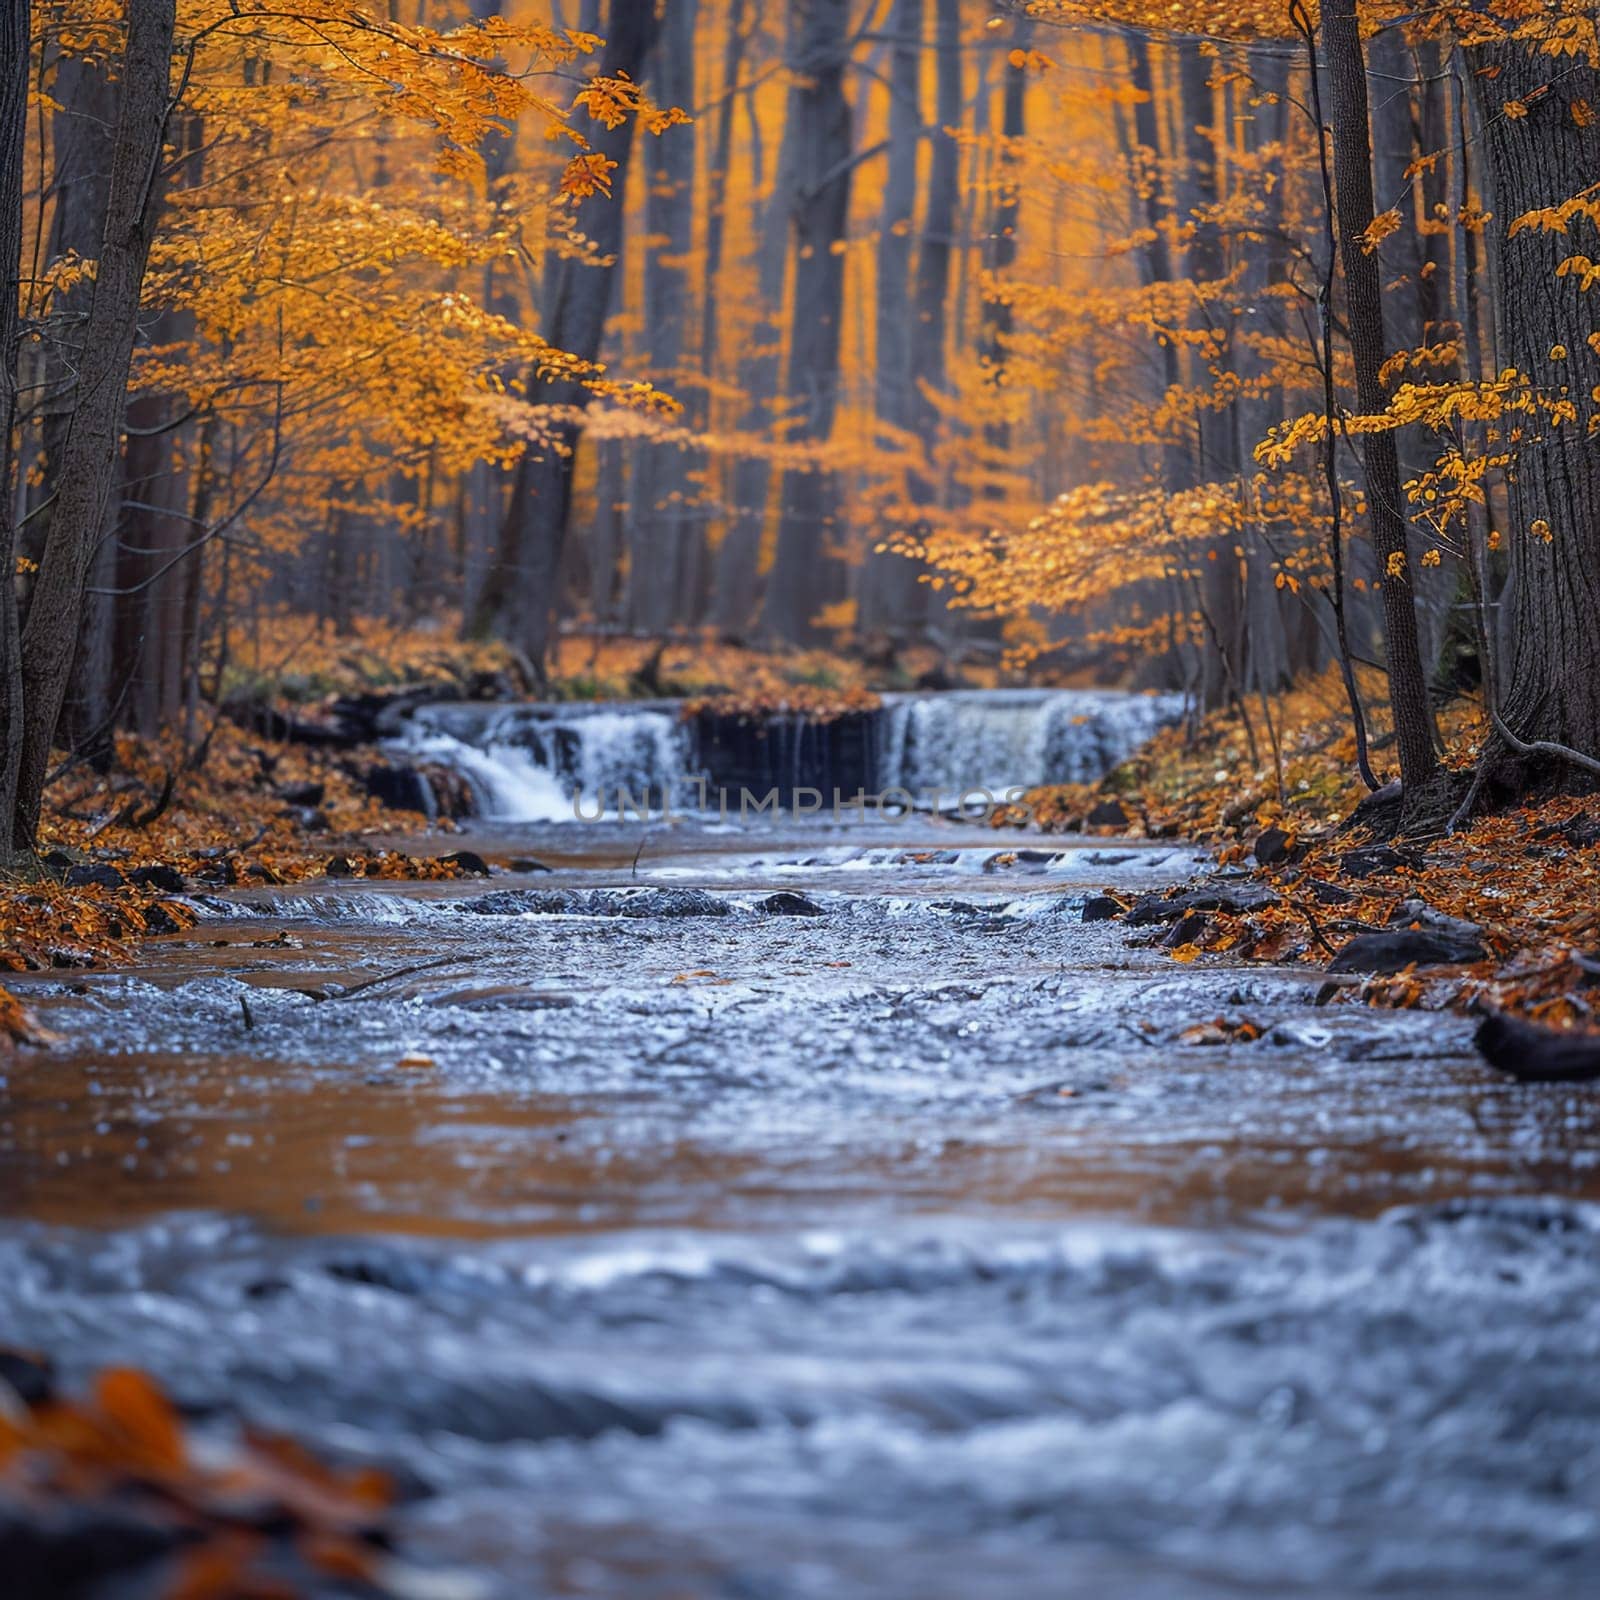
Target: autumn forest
point(528, 529)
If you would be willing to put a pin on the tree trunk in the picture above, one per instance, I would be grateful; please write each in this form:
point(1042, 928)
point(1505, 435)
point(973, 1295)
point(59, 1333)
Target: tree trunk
point(803, 575)
point(520, 595)
point(888, 580)
point(90, 453)
point(1352, 171)
point(14, 68)
point(664, 530)
point(1549, 682)
point(739, 554)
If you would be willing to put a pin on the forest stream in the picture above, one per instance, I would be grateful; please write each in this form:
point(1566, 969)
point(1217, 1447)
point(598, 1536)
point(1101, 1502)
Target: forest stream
point(811, 1208)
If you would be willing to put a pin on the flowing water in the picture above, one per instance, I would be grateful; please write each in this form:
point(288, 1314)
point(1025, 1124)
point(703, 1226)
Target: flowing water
point(670, 1241)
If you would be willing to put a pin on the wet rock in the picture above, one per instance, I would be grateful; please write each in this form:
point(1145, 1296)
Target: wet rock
point(1274, 846)
point(308, 793)
point(1102, 908)
point(527, 864)
point(400, 788)
point(60, 1550)
point(159, 920)
point(373, 1274)
point(1536, 1054)
point(31, 1377)
point(1234, 898)
point(338, 867)
point(957, 908)
point(658, 903)
point(96, 875)
point(528, 902)
point(1365, 862)
point(1391, 952)
point(1328, 894)
point(598, 903)
point(167, 879)
point(1108, 814)
point(1186, 929)
point(1421, 914)
point(468, 861)
point(787, 904)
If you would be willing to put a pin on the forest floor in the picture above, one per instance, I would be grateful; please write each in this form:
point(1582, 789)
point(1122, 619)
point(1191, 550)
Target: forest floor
point(1500, 916)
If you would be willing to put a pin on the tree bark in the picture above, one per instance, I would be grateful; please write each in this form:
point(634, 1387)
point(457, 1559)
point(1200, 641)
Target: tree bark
point(665, 533)
point(1352, 171)
point(739, 554)
point(1549, 680)
point(15, 60)
point(888, 581)
point(520, 592)
point(90, 452)
point(803, 574)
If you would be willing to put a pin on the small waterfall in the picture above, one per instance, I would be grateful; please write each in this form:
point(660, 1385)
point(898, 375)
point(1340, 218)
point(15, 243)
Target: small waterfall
point(537, 763)
point(1015, 738)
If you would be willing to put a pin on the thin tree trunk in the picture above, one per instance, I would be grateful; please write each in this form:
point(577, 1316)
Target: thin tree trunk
point(664, 528)
point(802, 572)
point(888, 581)
point(739, 554)
point(89, 456)
point(1352, 166)
point(520, 593)
point(15, 61)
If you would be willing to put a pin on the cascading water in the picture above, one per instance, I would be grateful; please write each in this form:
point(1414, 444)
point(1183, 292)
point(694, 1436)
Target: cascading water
point(540, 763)
point(1002, 739)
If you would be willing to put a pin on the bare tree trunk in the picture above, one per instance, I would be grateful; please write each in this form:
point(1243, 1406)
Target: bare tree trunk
point(89, 456)
point(888, 580)
point(15, 60)
point(664, 530)
point(1001, 254)
point(1352, 166)
point(1550, 680)
point(803, 575)
point(520, 592)
point(739, 554)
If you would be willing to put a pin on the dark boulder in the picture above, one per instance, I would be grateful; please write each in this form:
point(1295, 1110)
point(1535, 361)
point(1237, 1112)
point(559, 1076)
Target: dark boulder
point(159, 876)
point(399, 788)
point(1235, 898)
point(1102, 908)
point(1186, 929)
point(31, 1377)
point(528, 902)
point(95, 874)
point(1374, 858)
point(657, 903)
point(302, 794)
point(468, 861)
point(1274, 847)
point(787, 904)
point(1535, 1054)
point(1108, 814)
point(1391, 952)
point(527, 864)
point(1418, 913)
